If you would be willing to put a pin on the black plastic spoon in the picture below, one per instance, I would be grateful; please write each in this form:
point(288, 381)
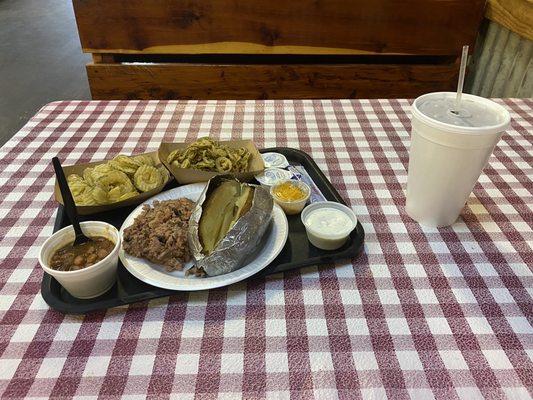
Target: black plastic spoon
point(68, 202)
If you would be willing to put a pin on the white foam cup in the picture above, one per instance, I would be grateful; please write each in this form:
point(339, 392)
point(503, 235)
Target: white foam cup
point(448, 153)
point(93, 280)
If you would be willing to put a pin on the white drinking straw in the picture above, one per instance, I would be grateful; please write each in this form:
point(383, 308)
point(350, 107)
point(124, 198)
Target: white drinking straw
point(461, 81)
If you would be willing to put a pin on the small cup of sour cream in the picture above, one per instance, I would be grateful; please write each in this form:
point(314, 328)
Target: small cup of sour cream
point(328, 224)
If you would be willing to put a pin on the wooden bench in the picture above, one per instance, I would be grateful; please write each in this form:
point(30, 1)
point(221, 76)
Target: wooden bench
point(259, 49)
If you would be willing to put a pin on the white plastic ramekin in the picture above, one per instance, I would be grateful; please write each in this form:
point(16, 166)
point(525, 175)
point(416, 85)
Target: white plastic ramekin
point(292, 207)
point(88, 282)
point(323, 240)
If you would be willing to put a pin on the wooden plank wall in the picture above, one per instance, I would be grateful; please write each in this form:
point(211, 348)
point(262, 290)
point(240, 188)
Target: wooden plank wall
point(433, 29)
point(421, 27)
point(201, 81)
point(515, 15)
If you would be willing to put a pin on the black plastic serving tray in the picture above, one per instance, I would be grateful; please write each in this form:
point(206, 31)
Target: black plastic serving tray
point(297, 253)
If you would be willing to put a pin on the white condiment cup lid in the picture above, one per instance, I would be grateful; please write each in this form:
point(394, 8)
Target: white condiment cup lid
point(273, 176)
point(274, 160)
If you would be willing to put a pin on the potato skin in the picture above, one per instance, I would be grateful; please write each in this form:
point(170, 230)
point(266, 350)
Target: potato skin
point(241, 240)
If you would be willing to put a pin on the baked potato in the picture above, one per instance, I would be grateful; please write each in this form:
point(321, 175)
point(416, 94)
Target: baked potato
point(227, 224)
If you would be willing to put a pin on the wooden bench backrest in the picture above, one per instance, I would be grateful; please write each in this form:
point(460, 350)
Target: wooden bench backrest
point(411, 43)
point(416, 27)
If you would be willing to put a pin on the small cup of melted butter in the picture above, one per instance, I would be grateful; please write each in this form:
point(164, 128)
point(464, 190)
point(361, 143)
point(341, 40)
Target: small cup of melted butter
point(87, 270)
point(291, 195)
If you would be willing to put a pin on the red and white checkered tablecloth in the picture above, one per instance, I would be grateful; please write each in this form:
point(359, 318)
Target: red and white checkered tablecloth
point(422, 313)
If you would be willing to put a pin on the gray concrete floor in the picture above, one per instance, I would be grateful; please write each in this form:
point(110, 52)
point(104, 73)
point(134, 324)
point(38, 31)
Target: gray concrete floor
point(40, 60)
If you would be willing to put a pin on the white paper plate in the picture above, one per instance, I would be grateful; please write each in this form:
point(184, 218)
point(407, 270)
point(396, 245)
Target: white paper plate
point(156, 275)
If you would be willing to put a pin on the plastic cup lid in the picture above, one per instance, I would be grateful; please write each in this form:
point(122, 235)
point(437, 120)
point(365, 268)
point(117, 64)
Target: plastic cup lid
point(476, 115)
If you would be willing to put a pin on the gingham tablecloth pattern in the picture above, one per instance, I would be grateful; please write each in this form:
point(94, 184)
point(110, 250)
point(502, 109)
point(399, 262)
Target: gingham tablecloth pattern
point(422, 313)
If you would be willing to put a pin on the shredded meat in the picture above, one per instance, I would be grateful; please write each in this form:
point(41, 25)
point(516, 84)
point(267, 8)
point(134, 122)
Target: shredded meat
point(159, 233)
point(196, 271)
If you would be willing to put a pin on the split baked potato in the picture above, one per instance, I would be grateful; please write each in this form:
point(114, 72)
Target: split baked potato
point(228, 223)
